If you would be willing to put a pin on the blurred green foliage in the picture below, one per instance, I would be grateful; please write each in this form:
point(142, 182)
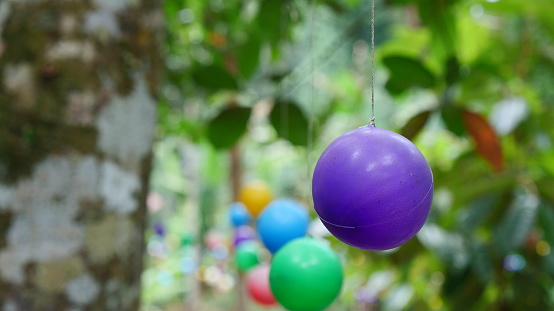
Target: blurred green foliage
point(469, 81)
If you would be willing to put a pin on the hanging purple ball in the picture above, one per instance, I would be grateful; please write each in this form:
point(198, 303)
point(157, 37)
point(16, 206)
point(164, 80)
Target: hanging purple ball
point(372, 188)
point(243, 234)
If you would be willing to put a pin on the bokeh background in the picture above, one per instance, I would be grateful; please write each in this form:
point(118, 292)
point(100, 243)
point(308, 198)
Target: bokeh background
point(469, 82)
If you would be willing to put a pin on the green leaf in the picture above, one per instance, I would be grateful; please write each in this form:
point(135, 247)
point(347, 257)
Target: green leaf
point(482, 263)
point(289, 122)
point(335, 6)
point(516, 224)
point(405, 73)
point(526, 285)
point(546, 221)
point(439, 17)
point(473, 182)
point(174, 123)
point(484, 82)
point(545, 186)
point(171, 9)
point(228, 127)
point(452, 70)
point(270, 20)
point(454, 282)
point(415, 124)
point(214, 78)
point(450, 247)
point(453, 119)
point(400, 2)
point(477, 212)
point(248, 57)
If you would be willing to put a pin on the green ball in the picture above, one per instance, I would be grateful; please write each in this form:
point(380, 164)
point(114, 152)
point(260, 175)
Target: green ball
point(247, 256)
point(305, 275)
point(187, 240)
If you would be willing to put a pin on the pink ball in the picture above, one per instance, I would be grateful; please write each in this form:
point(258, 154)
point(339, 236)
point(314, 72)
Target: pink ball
point(372, 188)
point(213, 238)
point(257, 283)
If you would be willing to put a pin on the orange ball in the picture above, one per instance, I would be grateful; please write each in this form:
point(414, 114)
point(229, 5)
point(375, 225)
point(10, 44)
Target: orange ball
point(255, 196)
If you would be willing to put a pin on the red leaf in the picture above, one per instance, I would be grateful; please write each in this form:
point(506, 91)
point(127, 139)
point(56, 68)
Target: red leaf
point(486, 140)
point(218, 40)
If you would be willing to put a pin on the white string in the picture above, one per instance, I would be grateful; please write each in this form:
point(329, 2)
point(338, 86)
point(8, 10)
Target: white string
point(372, 120)
point(312, 95)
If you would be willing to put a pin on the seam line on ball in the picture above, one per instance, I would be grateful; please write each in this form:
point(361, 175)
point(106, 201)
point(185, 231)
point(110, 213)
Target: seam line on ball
point(382, 222)
point(332, 224)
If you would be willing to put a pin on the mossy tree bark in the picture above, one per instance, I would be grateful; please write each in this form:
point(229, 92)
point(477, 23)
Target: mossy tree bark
point(77, 112)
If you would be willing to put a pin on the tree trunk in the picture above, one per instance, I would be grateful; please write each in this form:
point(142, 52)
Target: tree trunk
point(77, 114)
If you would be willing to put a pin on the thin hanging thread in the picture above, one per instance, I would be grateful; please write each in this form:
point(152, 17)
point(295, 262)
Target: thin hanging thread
point(312, 95)
point(372, 121)
point(284, 104)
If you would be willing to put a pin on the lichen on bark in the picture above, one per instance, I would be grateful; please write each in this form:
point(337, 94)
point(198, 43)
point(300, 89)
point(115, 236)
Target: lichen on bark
point(109, 238)
point(53, 276)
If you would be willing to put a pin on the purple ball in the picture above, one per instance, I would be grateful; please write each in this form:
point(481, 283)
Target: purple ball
point(372, 188)
point(159, 229)
point(243, 234)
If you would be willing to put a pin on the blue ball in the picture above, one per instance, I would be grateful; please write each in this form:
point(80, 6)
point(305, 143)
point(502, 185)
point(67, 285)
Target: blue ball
point(281, 221)
point(239, 215)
